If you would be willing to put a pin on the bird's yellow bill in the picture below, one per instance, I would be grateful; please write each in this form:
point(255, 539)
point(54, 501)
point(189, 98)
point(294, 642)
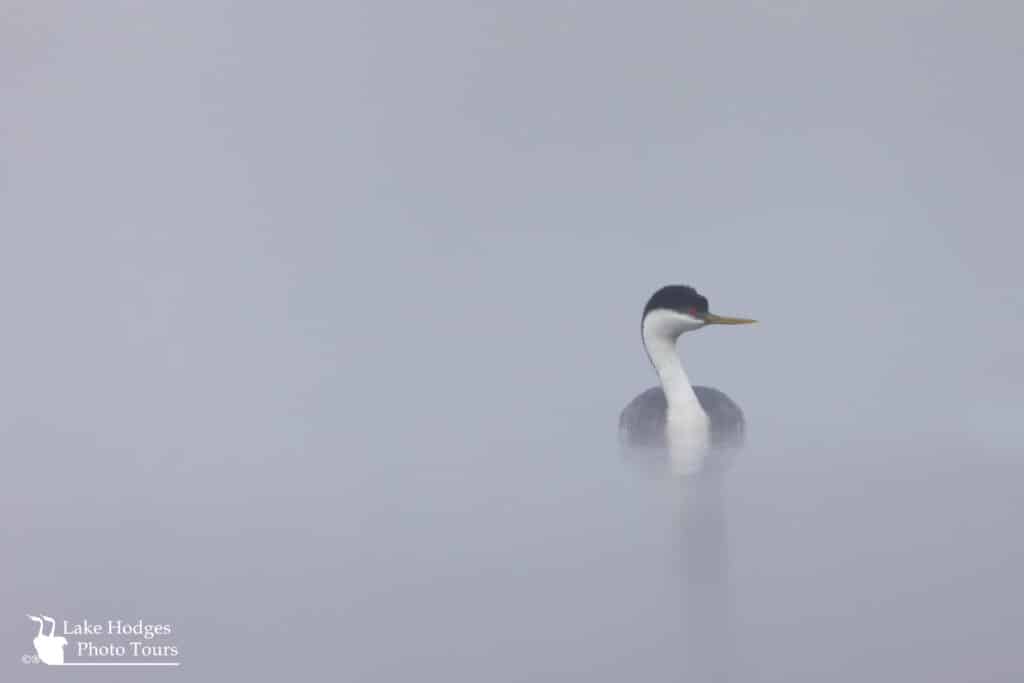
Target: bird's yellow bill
point(712, 319)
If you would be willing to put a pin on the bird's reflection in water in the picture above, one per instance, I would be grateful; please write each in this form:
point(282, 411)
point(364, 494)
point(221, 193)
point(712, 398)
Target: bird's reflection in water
point(701, 553)
point(706, 588)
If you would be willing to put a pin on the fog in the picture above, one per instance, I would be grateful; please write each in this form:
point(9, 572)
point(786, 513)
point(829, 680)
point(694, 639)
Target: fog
point(317, 320)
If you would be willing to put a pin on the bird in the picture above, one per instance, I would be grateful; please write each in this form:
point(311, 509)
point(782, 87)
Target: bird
point(687, 423)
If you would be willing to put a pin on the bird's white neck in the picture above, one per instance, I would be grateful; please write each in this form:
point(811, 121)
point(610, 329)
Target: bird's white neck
point(661, 349)
point(687, 425)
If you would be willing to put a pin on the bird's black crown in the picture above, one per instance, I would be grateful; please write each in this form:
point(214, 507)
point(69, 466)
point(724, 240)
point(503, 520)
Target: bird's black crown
point(681, 298)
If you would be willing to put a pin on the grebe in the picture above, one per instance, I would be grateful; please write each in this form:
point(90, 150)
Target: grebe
point(688, 423)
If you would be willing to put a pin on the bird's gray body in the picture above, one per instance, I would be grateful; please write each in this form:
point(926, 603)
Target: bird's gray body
point(642, 423)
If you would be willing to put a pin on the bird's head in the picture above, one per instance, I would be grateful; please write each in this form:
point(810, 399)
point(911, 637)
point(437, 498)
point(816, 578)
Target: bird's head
point(675, 309)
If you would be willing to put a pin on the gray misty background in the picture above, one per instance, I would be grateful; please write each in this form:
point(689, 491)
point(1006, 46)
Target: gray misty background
point(317, 319)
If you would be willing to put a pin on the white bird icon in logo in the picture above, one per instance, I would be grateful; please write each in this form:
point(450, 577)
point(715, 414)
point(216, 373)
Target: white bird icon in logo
point(49, 648)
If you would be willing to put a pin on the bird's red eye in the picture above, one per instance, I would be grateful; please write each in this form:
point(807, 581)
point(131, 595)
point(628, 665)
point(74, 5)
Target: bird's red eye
point(693, 311)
